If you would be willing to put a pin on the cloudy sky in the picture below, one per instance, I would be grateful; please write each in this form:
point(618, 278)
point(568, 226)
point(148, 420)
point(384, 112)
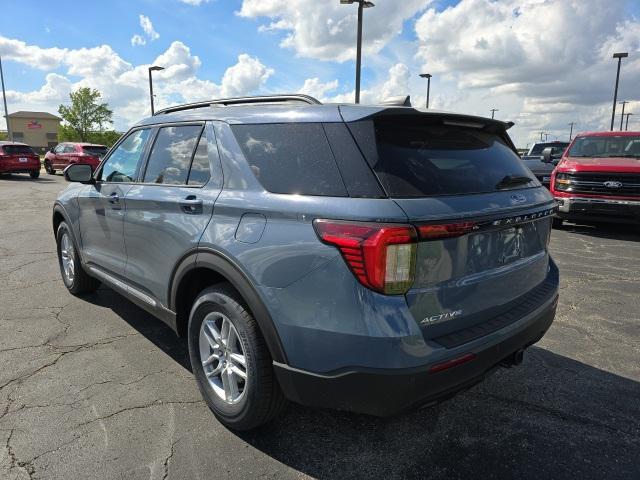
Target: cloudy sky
point(542, 63)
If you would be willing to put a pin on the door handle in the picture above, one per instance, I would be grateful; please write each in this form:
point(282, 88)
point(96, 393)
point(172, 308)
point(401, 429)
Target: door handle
point(191, 204)
point(114, 198)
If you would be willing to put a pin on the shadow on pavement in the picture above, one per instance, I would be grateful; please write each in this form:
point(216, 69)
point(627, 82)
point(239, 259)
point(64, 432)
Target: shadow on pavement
point(551, 417)
point(24, 177)
point(611, 231)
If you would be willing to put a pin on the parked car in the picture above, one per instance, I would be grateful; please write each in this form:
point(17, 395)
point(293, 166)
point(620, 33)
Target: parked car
point(536, 162)
point(18, 158)
point(65, 154)
point(365, 258)
point(598, 179)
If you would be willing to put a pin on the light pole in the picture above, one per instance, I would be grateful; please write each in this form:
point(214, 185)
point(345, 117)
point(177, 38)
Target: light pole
point(362, 4)
point(626, 127)
point(428, 77)
point(493, 112)
point(571, 131)
point(546, 137)
point(622, 115)
point(4, 98)
point(155, 68)
point(619, 56)
point(541, 134)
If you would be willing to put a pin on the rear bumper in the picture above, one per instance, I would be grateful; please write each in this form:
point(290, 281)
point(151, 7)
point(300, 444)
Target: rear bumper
point(384, 392)
point(599, 209)
point(20, 167)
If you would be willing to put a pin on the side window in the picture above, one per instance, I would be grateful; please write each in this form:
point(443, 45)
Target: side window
point(69, 149)
point(200, 170)
point(122, 163)
point(171, 155)
point(292, 158)
point(59, 149)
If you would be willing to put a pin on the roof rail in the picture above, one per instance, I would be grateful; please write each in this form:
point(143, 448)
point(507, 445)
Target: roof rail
point(296, 97)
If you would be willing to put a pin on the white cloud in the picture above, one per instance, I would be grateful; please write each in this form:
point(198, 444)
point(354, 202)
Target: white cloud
point(327, 30)
point(147, 27)
point(138, 40)
point(318, 89)
point(123, 85)
point(543, 63)
point(32, 55)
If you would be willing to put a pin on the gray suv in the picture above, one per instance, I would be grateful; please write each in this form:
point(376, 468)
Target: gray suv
point(364, 258)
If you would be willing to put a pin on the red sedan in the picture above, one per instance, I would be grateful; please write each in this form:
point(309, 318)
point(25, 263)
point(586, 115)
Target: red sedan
point(65, 154)
point(19, 158)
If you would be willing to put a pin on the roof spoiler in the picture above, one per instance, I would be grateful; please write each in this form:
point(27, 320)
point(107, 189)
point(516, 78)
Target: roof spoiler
point(397, 101)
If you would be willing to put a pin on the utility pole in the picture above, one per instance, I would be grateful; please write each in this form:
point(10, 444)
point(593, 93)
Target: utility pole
point(4, 98)
point(571, 131)
point(546, 137)
point(622, 115)
point(619, 56)
point(493, 111)
point(541, 134)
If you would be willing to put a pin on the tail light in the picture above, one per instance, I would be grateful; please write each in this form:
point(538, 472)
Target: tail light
point(381, 256)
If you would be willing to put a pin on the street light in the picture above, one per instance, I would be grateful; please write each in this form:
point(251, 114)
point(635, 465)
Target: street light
point(361, 5)
point(4, 98)
point(626, 127)
point(619, 56)
point(622, 115)
point(428, 77)
point(571, 131)
point(493, 112)
point(155, 68)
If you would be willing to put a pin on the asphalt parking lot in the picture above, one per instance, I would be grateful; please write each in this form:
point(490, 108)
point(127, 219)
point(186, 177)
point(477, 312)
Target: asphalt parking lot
point(97, 388)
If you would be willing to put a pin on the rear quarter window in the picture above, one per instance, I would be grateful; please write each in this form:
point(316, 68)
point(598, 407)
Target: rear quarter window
point(413, 159)
point(292, 158)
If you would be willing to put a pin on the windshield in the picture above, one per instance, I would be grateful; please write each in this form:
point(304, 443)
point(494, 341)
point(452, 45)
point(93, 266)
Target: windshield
point(95, 150)
point(620, 146)
point(17, 150)
point(556, 147)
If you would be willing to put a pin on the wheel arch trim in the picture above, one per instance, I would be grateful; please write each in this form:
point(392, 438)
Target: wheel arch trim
point(222, 264)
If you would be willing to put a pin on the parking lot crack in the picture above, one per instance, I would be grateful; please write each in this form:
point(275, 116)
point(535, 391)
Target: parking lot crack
point(155, 403)
point(13, 459)
point(167, 460)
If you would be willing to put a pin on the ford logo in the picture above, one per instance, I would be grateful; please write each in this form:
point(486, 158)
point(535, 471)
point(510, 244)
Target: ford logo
point(518, 198)
point(613, 184)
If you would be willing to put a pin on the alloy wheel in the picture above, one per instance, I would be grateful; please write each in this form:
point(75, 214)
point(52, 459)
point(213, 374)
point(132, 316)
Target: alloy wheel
point(223, 358)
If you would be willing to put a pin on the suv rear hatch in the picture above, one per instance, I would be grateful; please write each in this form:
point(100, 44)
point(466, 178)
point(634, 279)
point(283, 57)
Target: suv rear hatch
point(483, 219)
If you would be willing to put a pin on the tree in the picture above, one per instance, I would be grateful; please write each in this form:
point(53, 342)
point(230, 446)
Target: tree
point(106, 137)
point(85, 114)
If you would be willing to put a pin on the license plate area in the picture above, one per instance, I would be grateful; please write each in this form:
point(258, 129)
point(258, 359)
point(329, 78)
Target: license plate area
point(23, 159)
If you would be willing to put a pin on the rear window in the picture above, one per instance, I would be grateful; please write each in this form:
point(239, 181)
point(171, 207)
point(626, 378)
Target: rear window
point(292, 158)
point(556, 147)
point(414, 160)
point(95, 151)
point(17, 150)
point(606, 146)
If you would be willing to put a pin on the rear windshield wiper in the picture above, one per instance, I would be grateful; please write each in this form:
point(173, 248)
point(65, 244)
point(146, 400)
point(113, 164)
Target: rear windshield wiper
point(511, 180)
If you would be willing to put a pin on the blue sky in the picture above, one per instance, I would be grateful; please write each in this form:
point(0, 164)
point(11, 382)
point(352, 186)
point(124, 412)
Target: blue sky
point(541, 63)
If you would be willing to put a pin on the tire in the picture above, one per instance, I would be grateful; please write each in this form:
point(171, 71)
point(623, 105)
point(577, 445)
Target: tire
point(557, 222)
point(48, 168)
point(259, 398)
point(35, 174)
point(79, 282)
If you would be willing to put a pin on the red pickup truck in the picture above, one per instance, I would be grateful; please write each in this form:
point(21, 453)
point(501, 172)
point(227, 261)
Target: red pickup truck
point(598, 178)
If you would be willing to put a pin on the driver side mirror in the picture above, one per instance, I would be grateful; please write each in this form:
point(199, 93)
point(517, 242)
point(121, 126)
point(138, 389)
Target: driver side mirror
point(78, 173)
point(546, 155)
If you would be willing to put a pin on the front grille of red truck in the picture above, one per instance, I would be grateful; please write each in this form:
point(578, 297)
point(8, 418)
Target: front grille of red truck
point(618, 184)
